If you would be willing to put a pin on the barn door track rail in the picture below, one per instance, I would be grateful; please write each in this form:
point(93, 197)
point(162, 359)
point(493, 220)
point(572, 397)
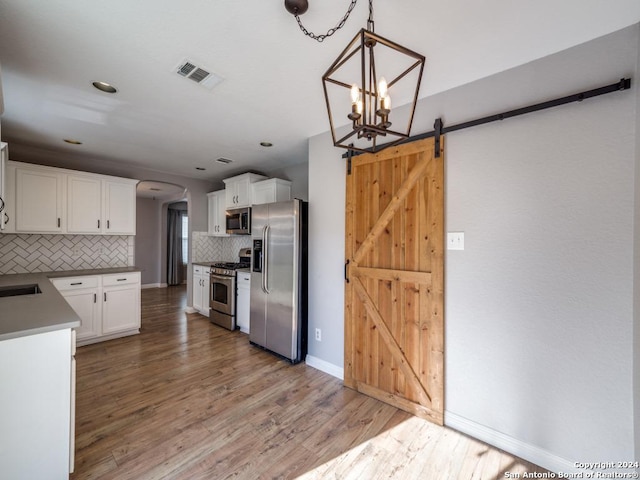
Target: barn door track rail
point(439, 129)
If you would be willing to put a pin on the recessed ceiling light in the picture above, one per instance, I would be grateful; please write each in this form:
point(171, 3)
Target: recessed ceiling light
point(266, 144)
point(105, 87)
point(155, 189)
point(223, 160)
point(72, 142)
point(201, 169)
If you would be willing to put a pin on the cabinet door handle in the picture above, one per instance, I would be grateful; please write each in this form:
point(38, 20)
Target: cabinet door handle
point(95, 297)
point(120, 279)
point(108, 225)
point(58, 223)
point(98, 223)
point(105, 296)
point(6, 218)
point(76, 283)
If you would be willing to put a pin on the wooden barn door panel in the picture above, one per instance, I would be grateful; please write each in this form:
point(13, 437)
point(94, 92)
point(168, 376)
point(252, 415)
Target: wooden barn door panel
point(394, 325)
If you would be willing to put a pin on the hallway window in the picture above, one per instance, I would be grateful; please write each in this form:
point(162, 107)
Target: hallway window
point(185, 238)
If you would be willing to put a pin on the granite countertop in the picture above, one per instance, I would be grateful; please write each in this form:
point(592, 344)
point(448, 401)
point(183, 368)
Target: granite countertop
point(43, 312)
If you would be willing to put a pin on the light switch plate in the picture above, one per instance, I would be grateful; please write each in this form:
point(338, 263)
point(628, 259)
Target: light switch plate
point(455, 240)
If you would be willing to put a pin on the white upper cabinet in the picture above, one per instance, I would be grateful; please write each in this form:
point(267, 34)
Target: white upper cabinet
point(84, 204)
point(120, 208)
point(56, 200)
point(217, 224)
point(238, 189)
point(39, 200)
point(271, 190)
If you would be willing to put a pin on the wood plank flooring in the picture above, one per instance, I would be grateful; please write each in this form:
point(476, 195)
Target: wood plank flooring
point(189, 400)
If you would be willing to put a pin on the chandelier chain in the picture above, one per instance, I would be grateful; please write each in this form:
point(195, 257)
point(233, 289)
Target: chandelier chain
point(331, 31)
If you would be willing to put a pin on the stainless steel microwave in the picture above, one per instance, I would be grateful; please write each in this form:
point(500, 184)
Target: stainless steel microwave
point(239, 221)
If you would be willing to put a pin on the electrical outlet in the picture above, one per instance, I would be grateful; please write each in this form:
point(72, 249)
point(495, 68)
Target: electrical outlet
point(318, 335)
point(76, 252)
point(455, 241)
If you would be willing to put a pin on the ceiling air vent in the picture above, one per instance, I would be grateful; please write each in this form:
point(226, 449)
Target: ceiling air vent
point(226, 161)
point(202, 76)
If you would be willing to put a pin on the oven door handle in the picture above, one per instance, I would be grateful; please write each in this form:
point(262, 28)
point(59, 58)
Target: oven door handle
point(265, 259)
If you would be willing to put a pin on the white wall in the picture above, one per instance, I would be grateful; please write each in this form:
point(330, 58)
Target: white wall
point(539, 306)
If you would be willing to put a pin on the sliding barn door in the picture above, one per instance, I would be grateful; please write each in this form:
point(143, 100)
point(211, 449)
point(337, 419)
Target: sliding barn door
point(394, 325)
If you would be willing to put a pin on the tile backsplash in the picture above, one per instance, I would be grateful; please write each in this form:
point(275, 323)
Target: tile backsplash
point(43, 253)
point(222, 249)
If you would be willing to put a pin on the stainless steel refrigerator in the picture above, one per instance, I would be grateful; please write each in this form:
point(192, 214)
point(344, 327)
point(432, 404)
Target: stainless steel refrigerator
point(278, 315)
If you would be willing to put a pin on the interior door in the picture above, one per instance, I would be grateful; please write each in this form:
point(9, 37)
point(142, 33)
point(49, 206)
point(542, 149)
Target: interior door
point(394, 323)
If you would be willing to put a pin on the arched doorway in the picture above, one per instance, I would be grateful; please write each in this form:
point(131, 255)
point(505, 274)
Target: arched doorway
point(153, 200)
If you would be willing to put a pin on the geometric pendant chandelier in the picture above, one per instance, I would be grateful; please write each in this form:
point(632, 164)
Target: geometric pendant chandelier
point(359, 84)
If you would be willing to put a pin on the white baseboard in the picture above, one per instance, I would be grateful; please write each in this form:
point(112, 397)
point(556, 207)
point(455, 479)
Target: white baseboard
point(154, 285)
point(325, 367)
point(190, 310)
point(528, 452)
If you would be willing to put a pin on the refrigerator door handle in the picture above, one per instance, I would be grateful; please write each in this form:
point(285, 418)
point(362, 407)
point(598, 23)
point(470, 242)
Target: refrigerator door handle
point(263, 269)
point(265, 263)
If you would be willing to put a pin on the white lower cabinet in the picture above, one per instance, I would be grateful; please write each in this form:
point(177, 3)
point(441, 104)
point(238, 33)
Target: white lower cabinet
point(84, 297)
point(37, 406)
point(121, 303)
point(201, 285)
point(243, 301)
point(108, 305)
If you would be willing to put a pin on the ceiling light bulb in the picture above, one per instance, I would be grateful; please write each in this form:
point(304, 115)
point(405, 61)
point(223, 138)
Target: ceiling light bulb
point(355, 93)
point(382, 88)
point(386, 102)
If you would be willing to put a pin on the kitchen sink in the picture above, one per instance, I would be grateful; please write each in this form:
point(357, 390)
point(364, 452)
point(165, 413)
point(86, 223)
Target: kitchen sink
point(16, 290)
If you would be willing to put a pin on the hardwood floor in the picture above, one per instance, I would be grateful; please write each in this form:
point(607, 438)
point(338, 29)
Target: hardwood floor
point(189, 400)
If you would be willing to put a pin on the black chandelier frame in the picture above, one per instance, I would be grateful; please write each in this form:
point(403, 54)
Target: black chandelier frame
point(374, 121)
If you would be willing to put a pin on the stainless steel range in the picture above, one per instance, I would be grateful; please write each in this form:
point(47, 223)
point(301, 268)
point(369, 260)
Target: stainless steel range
point(222, 297)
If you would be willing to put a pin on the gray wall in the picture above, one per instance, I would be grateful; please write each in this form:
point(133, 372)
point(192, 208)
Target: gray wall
point(636, 284)
point(148, 234)
point(539, 305)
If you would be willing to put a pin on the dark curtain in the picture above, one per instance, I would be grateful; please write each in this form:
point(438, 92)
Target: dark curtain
point(175, 275)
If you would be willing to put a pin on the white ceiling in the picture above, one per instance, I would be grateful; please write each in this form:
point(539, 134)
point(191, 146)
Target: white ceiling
point(51, 51)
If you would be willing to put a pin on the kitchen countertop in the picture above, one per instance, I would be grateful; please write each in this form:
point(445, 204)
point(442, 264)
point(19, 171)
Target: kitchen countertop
point(43, 312)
